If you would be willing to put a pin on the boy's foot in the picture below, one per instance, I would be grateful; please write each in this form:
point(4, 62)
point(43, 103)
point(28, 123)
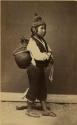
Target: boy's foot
point(47, 113)
point(44, 113)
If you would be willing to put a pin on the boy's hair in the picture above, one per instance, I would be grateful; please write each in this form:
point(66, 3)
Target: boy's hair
point(35, 29)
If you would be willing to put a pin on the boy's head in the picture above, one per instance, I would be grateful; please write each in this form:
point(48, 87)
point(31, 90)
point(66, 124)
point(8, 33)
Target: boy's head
point(38, 26)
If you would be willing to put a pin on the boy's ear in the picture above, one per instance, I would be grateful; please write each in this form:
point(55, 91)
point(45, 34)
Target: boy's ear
point(33, 29)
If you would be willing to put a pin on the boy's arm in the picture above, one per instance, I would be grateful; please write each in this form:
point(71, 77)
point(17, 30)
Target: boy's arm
point(35, 52)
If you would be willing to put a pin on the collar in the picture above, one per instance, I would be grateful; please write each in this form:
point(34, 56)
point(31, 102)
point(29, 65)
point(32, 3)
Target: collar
point(42, 41)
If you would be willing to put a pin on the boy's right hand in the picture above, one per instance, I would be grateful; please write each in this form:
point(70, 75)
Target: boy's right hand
point(47, 55)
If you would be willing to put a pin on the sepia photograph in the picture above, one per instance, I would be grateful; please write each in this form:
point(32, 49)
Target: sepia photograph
point(38, 63)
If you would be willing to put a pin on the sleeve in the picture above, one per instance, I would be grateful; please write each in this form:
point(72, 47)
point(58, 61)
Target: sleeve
point(35, 52)
point(49, 49)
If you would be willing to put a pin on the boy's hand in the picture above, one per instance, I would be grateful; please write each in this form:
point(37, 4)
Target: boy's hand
point(51, 57)
point(49, 54)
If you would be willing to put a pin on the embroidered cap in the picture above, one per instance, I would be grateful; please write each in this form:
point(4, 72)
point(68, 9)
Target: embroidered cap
point(37, 21)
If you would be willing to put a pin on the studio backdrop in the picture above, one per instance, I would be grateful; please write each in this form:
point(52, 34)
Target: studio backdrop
point(61, 20)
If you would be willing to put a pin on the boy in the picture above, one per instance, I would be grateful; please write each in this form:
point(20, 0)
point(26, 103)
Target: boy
point(41, 56)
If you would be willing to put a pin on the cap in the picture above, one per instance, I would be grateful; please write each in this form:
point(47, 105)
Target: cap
point(37, 21)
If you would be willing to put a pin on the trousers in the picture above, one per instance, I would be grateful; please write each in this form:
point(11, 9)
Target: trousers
point(37, 84)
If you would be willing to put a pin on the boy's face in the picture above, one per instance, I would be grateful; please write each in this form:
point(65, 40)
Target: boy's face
point(41, 30)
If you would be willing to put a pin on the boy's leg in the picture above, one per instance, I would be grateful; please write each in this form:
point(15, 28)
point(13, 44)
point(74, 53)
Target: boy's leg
point(30, 111)
point(33, 75)
point(44, 107)
point(46, 112)
point(43, 95)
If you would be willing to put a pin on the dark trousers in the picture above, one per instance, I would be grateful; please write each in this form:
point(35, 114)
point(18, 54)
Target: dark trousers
point(37, 84)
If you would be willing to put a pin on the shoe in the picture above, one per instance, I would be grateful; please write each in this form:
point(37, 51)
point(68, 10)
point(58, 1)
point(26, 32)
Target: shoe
point(33, 114)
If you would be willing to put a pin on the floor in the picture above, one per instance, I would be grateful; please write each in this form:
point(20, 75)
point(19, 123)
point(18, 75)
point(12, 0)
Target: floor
point(66, 115)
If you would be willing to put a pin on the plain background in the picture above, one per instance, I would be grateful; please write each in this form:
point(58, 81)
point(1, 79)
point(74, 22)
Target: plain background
point(61, 20)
